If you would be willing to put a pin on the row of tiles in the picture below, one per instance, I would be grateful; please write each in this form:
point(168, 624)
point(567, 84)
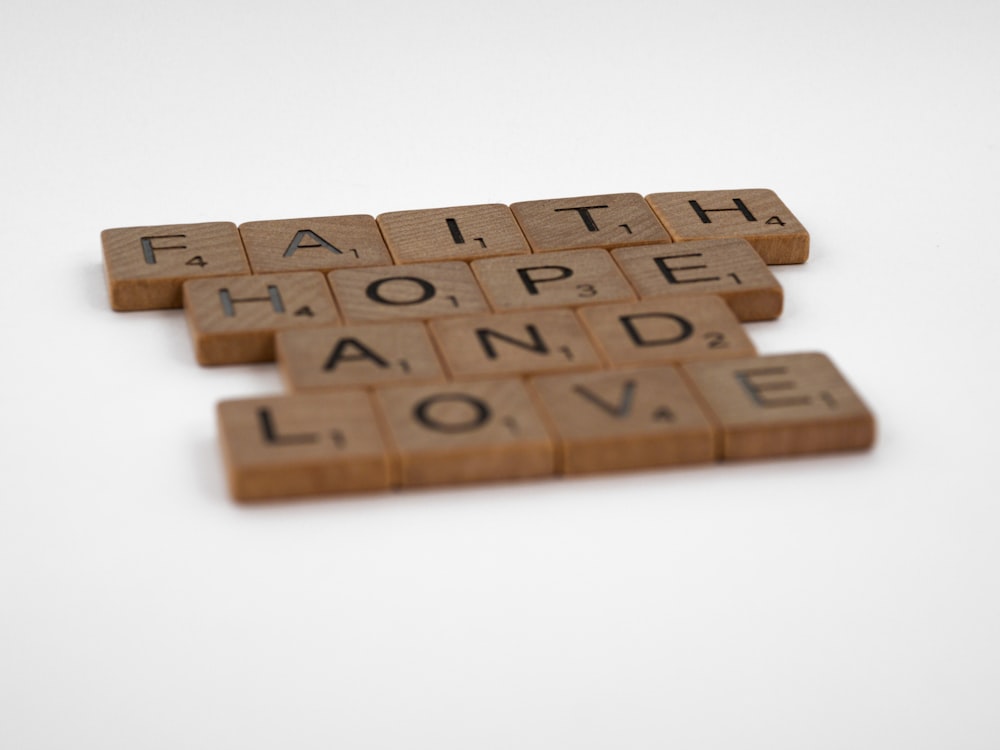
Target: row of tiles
point(232, 319)
point(145, 266)
point(616, 335)
point(351, 441)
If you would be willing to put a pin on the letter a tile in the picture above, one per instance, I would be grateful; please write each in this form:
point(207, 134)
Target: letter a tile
point(302, 445)
point(465, 432)
point(782, 405)
point(316, 244)
point(312, 359)
point(624, 419)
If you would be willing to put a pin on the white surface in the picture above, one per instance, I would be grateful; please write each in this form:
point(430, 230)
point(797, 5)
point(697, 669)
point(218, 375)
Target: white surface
point(846, 601)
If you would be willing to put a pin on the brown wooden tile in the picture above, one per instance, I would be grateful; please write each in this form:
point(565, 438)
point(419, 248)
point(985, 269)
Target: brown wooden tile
point(316, 244)
point(359, 355)
point(664, 331)
point(756, 215)
point(457, 233)
point(465, 432)
point(556, 279)
point(146, 266)
point(615, 220)
point(302, 445)
point(624, 419)
point(782, 405)
point(513, 344)
point(233, 319)
point(729, 268)
point(427, 290)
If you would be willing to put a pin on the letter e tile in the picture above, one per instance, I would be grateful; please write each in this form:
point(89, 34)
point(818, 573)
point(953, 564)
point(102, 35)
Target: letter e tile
point(729, 268)
point(782, 405)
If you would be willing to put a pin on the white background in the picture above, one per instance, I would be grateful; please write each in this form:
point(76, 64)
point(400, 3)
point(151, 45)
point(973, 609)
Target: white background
point(832, 602)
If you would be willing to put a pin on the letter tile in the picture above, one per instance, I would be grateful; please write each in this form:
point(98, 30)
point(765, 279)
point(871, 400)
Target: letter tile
point(624, 419)
point(782, 405)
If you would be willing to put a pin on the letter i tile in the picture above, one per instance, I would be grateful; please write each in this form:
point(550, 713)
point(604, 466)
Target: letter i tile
point(458, 233)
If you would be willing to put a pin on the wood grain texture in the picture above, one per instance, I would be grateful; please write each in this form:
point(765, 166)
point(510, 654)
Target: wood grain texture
point(624, 419)
point(756, 215)
point(145, 267)
point(666, 331)
point(465, 432)
point(730, 268)
point(314, 244)
point(612, 220)
point(456, 233)
point(417, 292)
point(490, 346)
point(558, 279)
point(314, 444)
point(782, 405)
point(233, 319)
point(360, 355)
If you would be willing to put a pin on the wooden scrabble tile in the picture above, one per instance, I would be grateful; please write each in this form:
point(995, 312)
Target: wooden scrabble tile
point(663, 331)
point(731, 268)
point(457, 233)
point(758, 216)
point(607, 221)
point(423, 291)
point(556, 279)
point(358, 355)
point(465, 432)
point(513, 344)
point(146, 266)
point(624, 419)
point(233, 319)
point(782, 405)
point(302, 445)
point(316, 244)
